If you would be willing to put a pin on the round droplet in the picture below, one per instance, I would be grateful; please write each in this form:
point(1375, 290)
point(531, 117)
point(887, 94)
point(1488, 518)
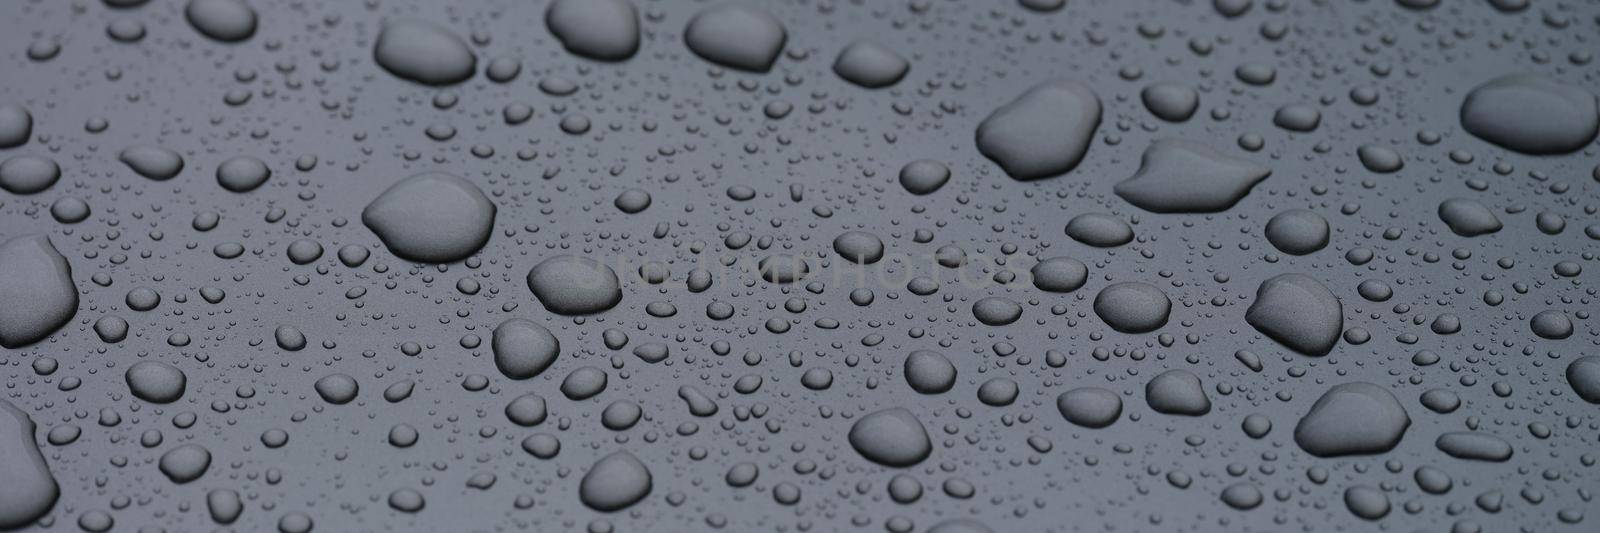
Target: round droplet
point(337, 389)
point(924, 176)
point(1468, 218)
point(152, 162)
point(1172, 102)
point(1352, 419)
point(28, 174)
point(1132, 307)
point(185, 463)
point(1099, 230)
point(1297, 232)
point(424, 52)
point(1060, 274)
point(929, 372)
point(736, 35)
point(604, 30)
point(1044, 132)
point(572, 285)
point(431, 217)
point(1177, 392)
point(1551, 324)
point(1379, 159)
point(30, 489)
point(870, 64)
point(615, 482)
point(996, 311)
point(156, 382)
point(891, 437)
point(859, 247)
point(1583, 375)
point(523, 349)
point(223, 20)
point(1298, 311)
point(1531, 114)
point(16, 125)
point(242, 174)
point(1090, 407)
point(36, 281)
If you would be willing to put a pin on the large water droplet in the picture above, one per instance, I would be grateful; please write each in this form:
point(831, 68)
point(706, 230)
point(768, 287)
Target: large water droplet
point(432, 217)
point(605, 30)
point(36, 286)
point(1042, 133)
point(1531, 114)
point(572, 285)
point(1352, 419)
point(424, 52)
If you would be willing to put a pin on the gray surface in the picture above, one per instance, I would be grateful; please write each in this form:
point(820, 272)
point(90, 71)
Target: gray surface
point(674, 125)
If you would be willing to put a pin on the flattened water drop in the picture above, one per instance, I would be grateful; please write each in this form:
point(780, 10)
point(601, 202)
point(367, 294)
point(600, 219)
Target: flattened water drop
point(152, 162)
point(1178, 176)
point(1474, 445)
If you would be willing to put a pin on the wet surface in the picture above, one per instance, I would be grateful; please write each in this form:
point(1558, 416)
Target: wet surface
point(910, 266)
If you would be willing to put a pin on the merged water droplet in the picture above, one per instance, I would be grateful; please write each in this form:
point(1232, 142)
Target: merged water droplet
point(1178, 176)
